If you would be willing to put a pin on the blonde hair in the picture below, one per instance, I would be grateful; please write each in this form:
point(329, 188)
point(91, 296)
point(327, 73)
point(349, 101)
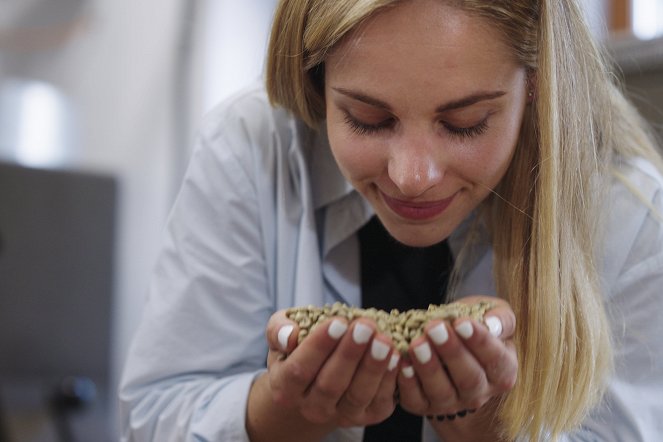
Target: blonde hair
point(544, 215)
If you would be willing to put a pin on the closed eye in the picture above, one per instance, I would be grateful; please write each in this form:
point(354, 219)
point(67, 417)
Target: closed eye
point(467, 132)
point(362, 128)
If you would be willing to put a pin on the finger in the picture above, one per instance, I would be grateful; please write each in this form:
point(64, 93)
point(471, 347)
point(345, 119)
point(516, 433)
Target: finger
point(385, 399)
point(274, 357)
point(368, 377)
point(338, 371)
point(465, 372)
point(292, 377)
point(437, 386)
point(501, 321)
point(496, 357)
point(281, 333)
point(411, 395)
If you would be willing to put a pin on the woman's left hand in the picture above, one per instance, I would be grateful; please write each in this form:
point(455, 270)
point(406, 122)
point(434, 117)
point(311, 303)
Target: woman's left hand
point(460, 365)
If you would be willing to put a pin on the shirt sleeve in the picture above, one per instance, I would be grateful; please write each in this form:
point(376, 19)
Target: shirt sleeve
point(632, 409)
point(200, 344)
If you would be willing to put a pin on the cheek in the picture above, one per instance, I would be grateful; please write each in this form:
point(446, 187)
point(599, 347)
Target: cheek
point(488, 161)
point(358, 159)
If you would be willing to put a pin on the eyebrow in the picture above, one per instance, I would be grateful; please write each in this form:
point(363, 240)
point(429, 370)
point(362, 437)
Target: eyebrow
point(451, 105)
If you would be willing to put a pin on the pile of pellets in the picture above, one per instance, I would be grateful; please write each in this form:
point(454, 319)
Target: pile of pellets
point(402, 327)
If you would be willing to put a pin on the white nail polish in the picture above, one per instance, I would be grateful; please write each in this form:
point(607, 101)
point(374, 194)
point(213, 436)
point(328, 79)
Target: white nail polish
point(494, 326)
point(408, 372)
point(379, 350)
point(337, 328)
point(361, 333)
point(423, 352)
point(465, 329)
point(393, 361)
point(439, 334)
point(284, 334)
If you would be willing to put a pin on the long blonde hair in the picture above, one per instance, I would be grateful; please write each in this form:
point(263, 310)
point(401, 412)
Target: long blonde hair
point(544, 215)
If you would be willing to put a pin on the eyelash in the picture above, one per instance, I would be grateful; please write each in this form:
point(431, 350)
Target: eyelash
point(460, 132)
point(367, 129)
point(468, 132)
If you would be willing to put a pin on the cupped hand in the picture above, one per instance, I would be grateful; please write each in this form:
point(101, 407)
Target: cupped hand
point(343, 374)
point(460, 365)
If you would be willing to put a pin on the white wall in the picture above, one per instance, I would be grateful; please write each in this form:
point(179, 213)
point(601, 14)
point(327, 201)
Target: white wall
point(234, 41)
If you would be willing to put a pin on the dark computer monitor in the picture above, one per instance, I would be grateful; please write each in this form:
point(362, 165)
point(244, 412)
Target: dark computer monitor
point(57, 231)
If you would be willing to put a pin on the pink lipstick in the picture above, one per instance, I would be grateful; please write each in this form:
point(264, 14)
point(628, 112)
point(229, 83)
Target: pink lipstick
point(417, 211)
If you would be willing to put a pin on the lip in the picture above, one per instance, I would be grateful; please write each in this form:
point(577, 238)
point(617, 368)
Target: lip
point(417, 211)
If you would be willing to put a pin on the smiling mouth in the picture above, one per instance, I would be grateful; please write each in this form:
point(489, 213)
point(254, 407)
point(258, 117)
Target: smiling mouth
point(417, 211)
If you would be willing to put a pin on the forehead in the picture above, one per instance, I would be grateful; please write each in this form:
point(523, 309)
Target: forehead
point(420, 35)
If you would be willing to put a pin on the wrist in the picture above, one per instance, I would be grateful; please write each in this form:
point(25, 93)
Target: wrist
point(479, 425)
point(449, 417)
point(268, 421)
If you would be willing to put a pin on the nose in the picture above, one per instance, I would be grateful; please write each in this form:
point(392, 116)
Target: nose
point(416, 166)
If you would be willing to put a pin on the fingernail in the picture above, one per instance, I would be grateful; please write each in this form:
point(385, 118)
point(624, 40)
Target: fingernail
point(494, 325)
point(408, 371)
point(422, 352)
point(465, 329)
point(337, 328)
point(284, 334)
point(379, 350)
point(361, 333)
point(393, 362)
point(439, 334)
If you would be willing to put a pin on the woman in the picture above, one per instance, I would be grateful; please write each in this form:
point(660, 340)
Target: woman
point(488, 129)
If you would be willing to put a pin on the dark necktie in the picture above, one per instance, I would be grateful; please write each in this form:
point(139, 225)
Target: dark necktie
point(397, 276)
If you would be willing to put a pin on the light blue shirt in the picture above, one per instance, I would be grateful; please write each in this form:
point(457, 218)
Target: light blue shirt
point(264, 221)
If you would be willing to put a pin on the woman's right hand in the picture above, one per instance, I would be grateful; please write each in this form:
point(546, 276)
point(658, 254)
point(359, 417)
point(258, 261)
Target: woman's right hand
point(341, 375)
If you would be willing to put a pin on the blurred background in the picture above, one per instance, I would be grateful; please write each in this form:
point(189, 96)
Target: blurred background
point(99, 104)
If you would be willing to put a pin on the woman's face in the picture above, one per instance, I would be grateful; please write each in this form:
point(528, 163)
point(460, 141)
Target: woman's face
point(424, 105)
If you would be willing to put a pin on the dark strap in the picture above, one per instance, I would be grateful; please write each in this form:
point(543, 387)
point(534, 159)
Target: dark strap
point(397, 276)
